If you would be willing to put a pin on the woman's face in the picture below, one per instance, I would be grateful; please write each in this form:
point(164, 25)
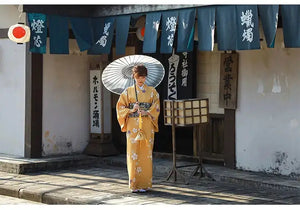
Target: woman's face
point(140, 80)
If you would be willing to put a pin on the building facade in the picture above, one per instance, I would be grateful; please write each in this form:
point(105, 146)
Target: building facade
point(45, 106)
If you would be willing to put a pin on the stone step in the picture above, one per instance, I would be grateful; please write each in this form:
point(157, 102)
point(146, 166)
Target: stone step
point(18, 165)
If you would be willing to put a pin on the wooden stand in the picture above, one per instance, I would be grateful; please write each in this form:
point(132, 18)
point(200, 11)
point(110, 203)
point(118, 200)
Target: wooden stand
point(179, 111)
point(174, 167)
point(203, 172)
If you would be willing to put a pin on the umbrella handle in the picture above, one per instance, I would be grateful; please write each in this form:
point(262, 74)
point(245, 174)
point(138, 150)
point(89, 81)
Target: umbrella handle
point(140, 115)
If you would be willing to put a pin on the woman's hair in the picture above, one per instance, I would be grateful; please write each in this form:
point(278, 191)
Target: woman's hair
point(139, 70)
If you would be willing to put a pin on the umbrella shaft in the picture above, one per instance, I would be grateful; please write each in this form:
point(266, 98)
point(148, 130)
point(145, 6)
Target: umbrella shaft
point(135, 91)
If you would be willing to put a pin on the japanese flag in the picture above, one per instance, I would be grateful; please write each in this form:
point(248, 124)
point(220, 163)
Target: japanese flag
point(19, 33)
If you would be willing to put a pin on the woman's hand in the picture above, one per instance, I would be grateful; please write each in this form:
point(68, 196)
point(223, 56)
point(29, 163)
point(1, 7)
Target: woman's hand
point(135, 107)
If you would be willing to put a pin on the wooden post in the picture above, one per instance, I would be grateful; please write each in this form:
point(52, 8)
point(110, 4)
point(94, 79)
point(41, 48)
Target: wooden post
point(174, 140)
point(174, 167)
point(195, 140)
point(102, 103)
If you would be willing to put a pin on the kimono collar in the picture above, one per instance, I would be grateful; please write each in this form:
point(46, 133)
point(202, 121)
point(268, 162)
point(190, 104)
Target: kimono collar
point(142, 88)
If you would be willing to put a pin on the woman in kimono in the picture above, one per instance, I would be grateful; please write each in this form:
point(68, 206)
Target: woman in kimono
point(139, 150)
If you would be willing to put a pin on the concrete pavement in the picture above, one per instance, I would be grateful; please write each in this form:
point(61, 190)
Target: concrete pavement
point(106, 183)
point(7, 200)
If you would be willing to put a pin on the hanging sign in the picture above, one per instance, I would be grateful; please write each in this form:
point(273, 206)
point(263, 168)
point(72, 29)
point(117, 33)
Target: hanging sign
point(172, 77)
point(151, 32)
point(228, 80)
point(247, 27)
point(103, 33)
point(38, 27)
point(179, 82)
point(19, 33)
point(169, 22)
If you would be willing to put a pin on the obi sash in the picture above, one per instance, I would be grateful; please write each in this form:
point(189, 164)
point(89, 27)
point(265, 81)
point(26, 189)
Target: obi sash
point(143, 106)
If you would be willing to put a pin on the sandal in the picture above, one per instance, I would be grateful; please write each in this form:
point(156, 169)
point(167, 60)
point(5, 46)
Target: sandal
point(134, 191)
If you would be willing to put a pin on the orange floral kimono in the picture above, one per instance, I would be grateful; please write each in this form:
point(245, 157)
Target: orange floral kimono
point(139, 152)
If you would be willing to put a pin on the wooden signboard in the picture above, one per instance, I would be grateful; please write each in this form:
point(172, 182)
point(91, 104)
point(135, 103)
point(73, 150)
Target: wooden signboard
point(228, 81)
point(95, 105)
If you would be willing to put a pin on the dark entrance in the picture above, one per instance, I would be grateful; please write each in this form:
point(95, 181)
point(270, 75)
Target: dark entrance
point(163, 139)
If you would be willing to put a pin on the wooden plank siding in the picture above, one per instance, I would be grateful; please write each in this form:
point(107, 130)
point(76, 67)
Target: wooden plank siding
point(211, 137)
point(229, 138)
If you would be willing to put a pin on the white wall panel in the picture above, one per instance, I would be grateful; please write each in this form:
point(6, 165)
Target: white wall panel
point(66, 104)
point(12, 98)
point(268, 114)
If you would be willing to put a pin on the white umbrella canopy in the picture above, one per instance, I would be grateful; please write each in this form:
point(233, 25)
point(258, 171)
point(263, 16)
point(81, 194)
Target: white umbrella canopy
point(117, 76)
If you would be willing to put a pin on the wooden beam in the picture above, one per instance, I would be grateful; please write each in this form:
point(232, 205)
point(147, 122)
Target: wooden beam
point(3, 33)
point(101, 10)
point(37, 105)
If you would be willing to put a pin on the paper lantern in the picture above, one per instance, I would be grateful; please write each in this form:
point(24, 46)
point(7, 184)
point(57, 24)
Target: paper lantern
point(19, 33)
point(140, 33)
point(186, 112)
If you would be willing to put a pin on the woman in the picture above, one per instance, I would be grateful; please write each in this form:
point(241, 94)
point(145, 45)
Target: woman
point(139, 151)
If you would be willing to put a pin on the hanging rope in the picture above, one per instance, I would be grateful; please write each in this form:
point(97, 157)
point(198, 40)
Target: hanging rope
point(20, 9)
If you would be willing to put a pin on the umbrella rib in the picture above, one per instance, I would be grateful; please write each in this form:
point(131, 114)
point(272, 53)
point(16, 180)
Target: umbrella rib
point(115, 80)
point(124, 62)
point(112, 80)
point(140, 59)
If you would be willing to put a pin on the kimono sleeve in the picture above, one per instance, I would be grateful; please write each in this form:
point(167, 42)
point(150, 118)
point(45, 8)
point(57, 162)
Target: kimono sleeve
point(123, 111)
point(154, 110)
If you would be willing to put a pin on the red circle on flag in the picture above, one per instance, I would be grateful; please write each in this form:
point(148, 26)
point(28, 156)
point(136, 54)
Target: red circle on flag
point(19, 32)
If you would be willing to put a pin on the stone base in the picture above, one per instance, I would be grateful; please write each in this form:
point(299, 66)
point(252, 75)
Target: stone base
point(100, 146)
point(29, 165)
